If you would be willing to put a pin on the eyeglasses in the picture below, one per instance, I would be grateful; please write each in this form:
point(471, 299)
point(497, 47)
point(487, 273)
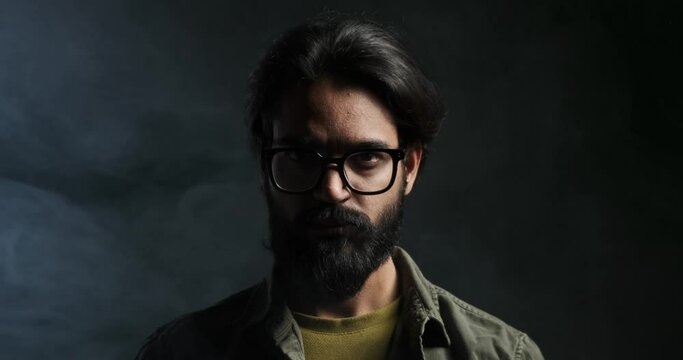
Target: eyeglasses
point(365, 171)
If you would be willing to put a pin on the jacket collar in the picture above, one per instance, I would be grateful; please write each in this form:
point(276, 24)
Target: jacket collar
point(422, 318)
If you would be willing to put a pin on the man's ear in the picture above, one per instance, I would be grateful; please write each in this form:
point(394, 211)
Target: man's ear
point(412, 165)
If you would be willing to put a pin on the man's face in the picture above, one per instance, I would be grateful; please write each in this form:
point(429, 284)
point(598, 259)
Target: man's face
point(331, 237)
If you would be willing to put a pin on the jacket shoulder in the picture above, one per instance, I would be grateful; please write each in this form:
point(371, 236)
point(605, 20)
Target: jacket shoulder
point(207, 332)
point(481, 333)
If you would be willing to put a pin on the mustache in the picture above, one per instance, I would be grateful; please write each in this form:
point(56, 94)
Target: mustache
point(338, 214)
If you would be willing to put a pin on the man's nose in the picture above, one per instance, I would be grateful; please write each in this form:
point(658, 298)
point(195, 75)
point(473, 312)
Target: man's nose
point(332, 188)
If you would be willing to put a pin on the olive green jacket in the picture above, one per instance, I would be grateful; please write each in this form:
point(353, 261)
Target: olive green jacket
point(256, 324)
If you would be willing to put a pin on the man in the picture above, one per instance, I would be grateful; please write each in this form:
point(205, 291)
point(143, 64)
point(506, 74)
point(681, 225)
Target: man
point(341, 117)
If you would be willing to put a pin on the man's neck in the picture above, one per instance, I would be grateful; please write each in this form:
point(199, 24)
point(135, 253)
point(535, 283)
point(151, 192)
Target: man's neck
point(380, 289)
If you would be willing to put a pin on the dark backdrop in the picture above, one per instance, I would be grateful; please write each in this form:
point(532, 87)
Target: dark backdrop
point(128, 195)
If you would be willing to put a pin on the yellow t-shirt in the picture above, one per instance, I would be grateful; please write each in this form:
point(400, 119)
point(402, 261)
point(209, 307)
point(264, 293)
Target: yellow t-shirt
point(365, 337)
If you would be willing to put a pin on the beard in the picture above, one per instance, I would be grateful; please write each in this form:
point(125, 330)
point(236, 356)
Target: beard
point(333, 266)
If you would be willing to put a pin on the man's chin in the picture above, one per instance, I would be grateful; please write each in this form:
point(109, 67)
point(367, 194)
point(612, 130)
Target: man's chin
point(336, 267)
point(319, 232)
point(339, 281)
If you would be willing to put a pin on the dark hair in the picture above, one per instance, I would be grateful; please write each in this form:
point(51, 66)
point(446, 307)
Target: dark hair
point(351, 50)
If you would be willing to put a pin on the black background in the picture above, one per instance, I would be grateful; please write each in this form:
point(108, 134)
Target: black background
point(552, 198)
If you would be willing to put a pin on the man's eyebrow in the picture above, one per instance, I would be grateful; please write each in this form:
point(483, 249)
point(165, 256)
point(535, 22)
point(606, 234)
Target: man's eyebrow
point(305, 141)
point(296, 141)
point(369, 144)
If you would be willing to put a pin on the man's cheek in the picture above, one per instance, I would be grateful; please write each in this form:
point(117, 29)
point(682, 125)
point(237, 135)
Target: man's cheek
point(285, 211)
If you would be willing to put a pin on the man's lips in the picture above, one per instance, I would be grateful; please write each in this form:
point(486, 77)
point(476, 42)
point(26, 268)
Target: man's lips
point(328, 228)
point(327, 223)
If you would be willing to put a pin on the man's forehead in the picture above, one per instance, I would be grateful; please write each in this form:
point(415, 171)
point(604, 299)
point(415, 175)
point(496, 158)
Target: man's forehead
point(334, 137)
point(326, 114)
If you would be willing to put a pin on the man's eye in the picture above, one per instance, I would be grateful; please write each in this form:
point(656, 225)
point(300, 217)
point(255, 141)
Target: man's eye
point(300, 155)
point(365, 160)
point(367, 157)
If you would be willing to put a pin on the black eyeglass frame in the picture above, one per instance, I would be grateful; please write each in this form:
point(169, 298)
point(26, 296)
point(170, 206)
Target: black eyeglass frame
point(396, 155)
